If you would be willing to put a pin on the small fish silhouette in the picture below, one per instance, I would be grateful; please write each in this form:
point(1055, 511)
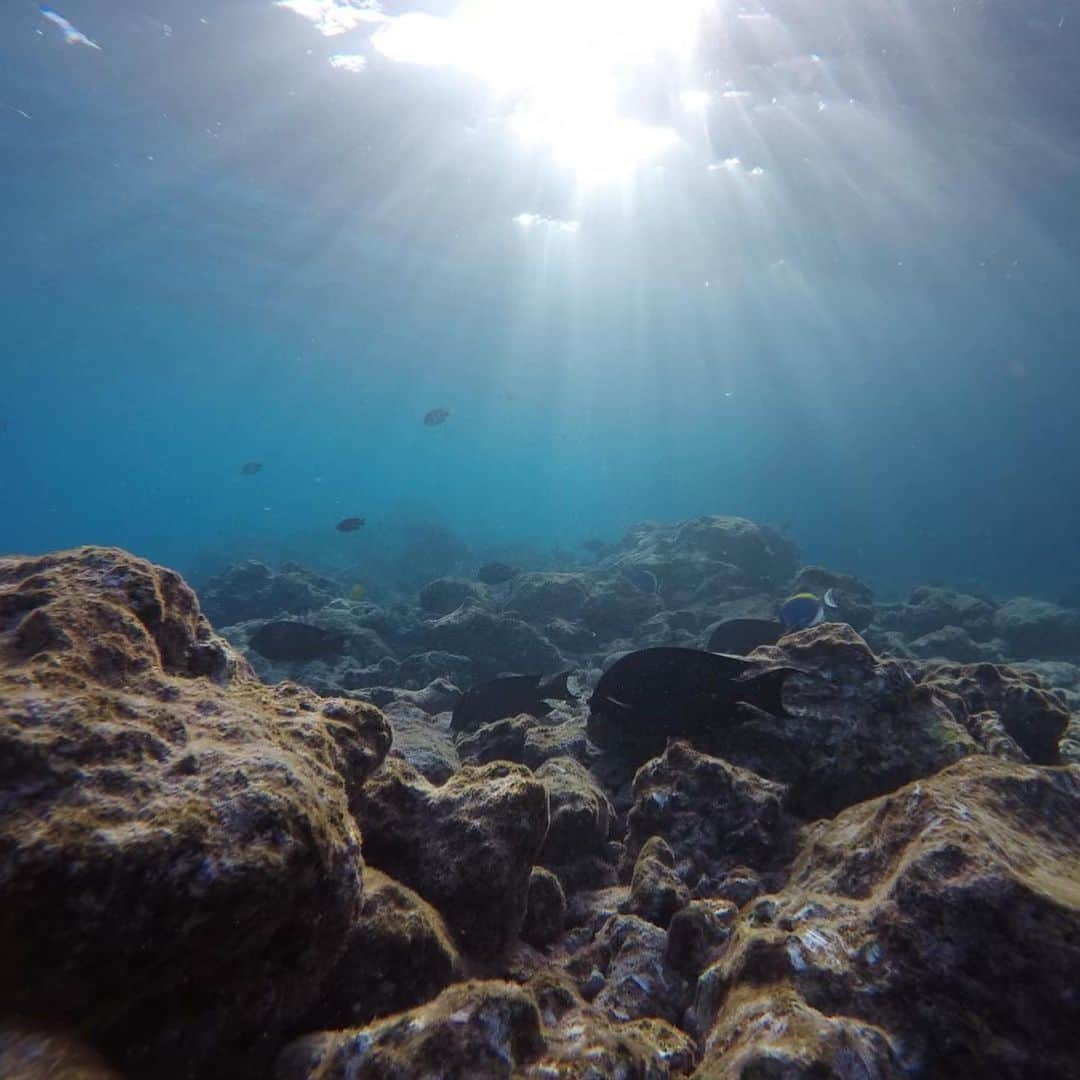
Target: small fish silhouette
point(436, 417)
point(350, 524)
point(250, 468)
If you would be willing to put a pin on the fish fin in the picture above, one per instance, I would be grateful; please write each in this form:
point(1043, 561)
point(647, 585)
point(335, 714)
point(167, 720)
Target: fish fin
point(617, 703)
point(766, 690)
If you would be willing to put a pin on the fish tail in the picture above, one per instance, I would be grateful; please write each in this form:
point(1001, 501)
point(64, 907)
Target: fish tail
point(766, 690)
point(555, 686)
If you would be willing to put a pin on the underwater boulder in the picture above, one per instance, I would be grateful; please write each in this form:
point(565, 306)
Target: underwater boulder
point(251, 590)
point(495, 643)
point(929, 608)
point(443, 595)
point(713, 815)
point(858, 725)
point(398, 954)
point(1038, 629)
point(474, 1028)
point(156, 792)
point(932, 931)
point(1035, 718)
point(466, 847)
point(540, 596)
point(426, 746)
point(953, 643)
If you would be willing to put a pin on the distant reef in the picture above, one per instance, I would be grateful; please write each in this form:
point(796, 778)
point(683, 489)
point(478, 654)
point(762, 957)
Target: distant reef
point(216, 865)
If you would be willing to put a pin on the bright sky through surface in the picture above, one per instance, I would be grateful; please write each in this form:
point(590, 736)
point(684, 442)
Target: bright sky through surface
point(563, 67)
point(810, 261)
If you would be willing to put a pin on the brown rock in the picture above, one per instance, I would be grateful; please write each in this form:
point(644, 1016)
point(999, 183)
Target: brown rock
point(581, 814)
point(656, 892)
point(1034, 718)
point(467, 847)
point(397, 955)
point(495, 1031)
point(528, 740)
point(697, 933)
point(545, 911)
point(486, 1030)
point(712, 814)
point(178, 864)
point(637, 981)
point(939, 927)
point(33, 1052)
point(858, 727)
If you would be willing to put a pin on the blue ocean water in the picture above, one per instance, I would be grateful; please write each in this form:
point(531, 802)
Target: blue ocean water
point(841, 295)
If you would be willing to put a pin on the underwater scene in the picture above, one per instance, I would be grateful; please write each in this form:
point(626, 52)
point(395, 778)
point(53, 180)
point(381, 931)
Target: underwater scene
point(539, 539)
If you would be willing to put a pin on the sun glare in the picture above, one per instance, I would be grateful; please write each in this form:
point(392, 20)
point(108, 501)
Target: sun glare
point(561, 66)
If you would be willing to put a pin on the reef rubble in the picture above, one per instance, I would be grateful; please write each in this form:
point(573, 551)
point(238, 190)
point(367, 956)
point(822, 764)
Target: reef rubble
point(311, 875)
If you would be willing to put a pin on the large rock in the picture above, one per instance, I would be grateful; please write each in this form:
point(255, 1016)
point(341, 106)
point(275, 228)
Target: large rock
point(1035, 718)
point(178, 863)
point(489, 1030)
point(466, 847)
point(1038, 628)
point(931, 608)
point(581, 815)
point(485, 1030)
point(443, 595)
point(933, 932)
point(708, 557)
point(713, 815)
point(859, 726)
point(398, 954)
point(542, 596)
point(495, 643)
point(251, 590)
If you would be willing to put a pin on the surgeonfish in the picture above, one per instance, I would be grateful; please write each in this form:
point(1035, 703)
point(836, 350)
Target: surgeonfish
point(290, 639)
point(509, 695)
point(651, 694)
point(741, 636)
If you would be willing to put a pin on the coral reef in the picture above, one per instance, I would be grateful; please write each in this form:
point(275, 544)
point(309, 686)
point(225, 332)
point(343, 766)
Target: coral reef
point(178, 863)
point(316, 876)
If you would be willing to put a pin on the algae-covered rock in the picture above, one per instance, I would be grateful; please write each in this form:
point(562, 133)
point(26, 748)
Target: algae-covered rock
point(935, 930)
point(1038, 628)
point(398, 954)
point(443, 595)
point(542, 596)
point(251, 590)
point(494, 643)
point(485, 1030)
point(545, 910)
point(178, 864)
point(857, 725)
point(1033, 717)
point(713, 815)
point(656, 890)
point(466, 847)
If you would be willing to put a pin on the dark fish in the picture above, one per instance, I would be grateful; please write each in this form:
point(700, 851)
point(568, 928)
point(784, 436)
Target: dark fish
point(250, 468)
point(649, 695)
point(741, 636)
point(495, 573)
point(288, 639)
point(350, 524)
point(436, 417)
point(642, 580)
point(508, 695)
